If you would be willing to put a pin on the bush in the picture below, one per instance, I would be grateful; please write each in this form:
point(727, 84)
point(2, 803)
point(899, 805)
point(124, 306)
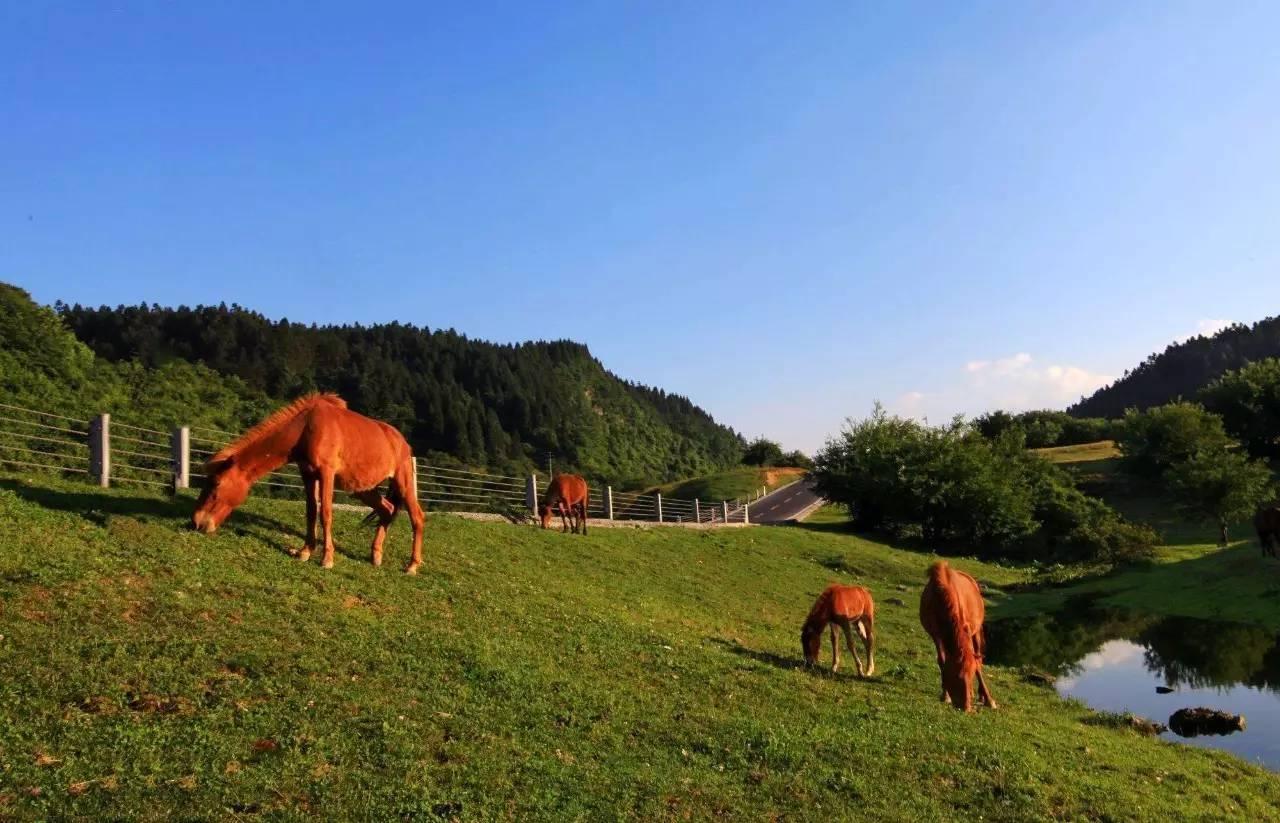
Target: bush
point(952, 485)
point(1044, 429)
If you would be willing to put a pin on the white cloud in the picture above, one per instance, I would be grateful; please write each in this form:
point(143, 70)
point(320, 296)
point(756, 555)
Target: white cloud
point(910, 404)
point(1205, 328)
point(1019, 382)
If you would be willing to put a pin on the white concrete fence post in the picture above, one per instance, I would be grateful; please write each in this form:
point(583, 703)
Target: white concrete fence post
point(697, 512)
point(531, 493)
point(100, 450)
point(608, 501)
point(746, 513)
point(659, 498)
point(180, 455)
point(724, 505)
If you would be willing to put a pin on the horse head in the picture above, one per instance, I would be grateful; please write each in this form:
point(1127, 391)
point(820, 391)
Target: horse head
point(225, 487)
point(810, 643)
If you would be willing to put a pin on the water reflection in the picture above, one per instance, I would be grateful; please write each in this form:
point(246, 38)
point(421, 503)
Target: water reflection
point(1114, 659)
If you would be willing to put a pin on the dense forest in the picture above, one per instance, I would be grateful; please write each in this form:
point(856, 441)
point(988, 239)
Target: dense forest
point(456, 399)
point(1183, 369)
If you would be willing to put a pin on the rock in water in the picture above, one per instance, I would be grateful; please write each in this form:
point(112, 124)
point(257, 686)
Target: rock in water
point(1194, 722)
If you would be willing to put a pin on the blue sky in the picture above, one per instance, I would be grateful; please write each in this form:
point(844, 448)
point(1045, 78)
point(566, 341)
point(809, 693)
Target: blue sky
point(784, 213)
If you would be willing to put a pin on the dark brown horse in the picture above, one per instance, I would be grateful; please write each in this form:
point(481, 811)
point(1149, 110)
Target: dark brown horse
point(952, 611)
point(846, 607)
point(1267, 523)
point(333, 448)
point(567, 494)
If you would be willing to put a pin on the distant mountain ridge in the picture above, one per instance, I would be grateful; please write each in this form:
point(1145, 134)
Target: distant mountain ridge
point(476, 402)
point(1182, 369)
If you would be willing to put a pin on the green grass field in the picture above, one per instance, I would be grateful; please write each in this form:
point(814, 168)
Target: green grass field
point(148, 672)
point(734, 484)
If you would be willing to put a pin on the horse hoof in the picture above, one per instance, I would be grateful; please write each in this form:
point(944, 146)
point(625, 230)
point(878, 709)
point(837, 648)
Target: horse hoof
point(327, 564)
point(304, 555)
point(376, 560)
point(412, 568)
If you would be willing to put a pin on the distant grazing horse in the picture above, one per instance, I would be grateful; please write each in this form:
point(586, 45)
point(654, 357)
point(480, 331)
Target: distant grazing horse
point(333, 447)
point(1267, 523)
point(951, 611)
point(843, 606)
point(567, 494)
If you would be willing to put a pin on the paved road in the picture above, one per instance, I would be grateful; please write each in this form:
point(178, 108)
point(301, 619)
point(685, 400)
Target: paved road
point(784, 504)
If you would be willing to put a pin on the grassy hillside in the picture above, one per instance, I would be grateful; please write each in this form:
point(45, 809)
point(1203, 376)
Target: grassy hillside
point(147, 671)
point(1080, 453)
point(734, 484)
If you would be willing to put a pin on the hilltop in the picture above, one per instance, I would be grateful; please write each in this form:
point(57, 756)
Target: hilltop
point(1182, 369)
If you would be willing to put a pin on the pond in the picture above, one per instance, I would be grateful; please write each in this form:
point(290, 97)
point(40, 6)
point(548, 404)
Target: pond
point(1114, 660)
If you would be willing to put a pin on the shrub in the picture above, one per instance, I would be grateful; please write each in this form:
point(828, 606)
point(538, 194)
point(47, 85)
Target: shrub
point(1153, 441)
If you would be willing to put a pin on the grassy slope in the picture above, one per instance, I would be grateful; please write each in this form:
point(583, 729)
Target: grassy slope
point(732, 484)
point(1191, 577)
point(149, 671)
point(1084, 452)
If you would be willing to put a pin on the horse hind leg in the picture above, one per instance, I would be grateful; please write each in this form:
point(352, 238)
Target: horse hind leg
point(406, 485)
point(980, 649)
point(848, 628)
point(866, 627)
point(385, 511)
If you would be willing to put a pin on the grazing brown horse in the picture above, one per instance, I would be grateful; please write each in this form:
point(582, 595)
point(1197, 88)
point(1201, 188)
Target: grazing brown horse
point(951, 611)
point(567, 494)
point(333, 448)
point(1267, 523)
point(843, 606)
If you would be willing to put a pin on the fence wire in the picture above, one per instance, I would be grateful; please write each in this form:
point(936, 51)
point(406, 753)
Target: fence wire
point(34, 439)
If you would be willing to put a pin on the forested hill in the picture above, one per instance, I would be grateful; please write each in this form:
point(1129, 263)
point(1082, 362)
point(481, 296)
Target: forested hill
point(478, 403)
point(1183, 369)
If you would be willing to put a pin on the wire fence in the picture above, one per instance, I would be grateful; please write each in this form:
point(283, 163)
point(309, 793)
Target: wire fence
point(105, 451)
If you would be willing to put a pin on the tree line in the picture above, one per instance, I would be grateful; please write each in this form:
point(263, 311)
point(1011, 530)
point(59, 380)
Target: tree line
point(1183, 369)
point(458, 400)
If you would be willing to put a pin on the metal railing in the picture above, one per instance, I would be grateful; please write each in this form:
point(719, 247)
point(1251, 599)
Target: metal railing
point(109, 451)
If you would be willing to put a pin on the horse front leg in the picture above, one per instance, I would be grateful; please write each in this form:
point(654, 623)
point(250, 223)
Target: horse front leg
point(326, 516)
point(942, 659)
point(564, 518)
point(835, 651)
point(311, 485)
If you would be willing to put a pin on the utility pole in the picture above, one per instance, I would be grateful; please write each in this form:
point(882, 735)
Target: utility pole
point(549, 472)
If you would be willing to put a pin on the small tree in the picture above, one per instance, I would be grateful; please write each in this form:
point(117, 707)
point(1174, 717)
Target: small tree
point(1155, 440)
point(1249, 401)
point(1219, 485)
point(762, 452)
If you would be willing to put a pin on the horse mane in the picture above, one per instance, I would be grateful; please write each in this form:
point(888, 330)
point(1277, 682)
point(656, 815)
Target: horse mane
point(940, 576)
point(275, 421)
point(819, 613)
